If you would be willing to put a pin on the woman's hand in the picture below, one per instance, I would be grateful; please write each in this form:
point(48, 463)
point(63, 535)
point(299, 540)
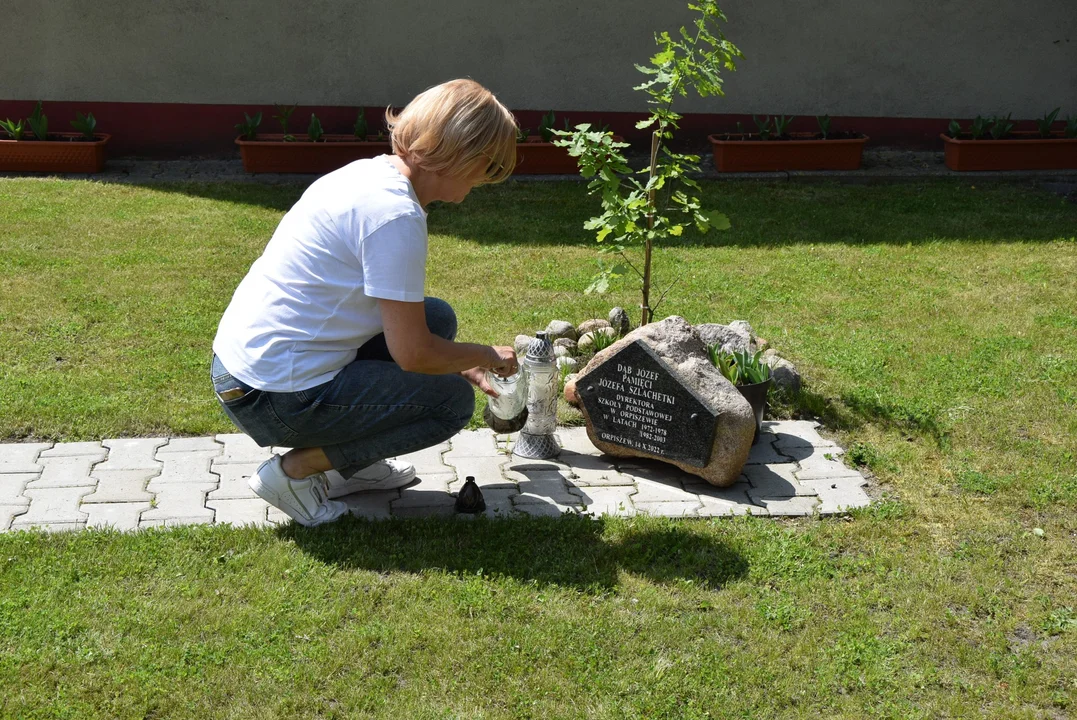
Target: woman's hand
point(503, 361)
point(477, 377)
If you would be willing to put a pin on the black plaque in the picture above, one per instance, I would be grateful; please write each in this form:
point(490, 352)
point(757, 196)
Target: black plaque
point(634, 401)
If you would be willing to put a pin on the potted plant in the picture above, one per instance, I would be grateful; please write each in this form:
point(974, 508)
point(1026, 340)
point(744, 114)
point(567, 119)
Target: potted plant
point(992, 144)
point(749, 374)
point(772, 147)
point(316, 152)
point(30, 147)
point(539, 155)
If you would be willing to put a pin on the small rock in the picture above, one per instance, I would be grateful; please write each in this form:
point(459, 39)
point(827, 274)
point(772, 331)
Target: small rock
point(586, 344)
point(558, 329)
point(560, 351)
point(570, 390)
point(742, 326)
point(565, 343)
point(521, 342)
point(570, 362)
point(782, 372)
point(619, 321)
point(588, 325)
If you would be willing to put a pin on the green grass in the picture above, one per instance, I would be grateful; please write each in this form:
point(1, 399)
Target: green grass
point(934, 324)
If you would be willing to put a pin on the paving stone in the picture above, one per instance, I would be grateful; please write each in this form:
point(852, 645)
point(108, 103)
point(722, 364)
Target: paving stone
point(840, 495)
point(446, 510)
point(592, 470)
point(650, 491)
point(119, 486)
point(9, 513)
point(192, 468)
point(608, 500)
point(116, 515)
point(428, 460)
point(499, 502)
point(777, 506)
point(172, 522)
point(763, 453)
point(542, 486)
point(53, 505)
point(78, 449)
point(798, 434)
point(183, 502)
point(487, 471)
point(240, 449)
point(371, 505)
point(190, 445)
point(430, 490)
point(12, 486)
point(472, 444)
point(668, 509)
point(132, 454)
point(239, 512)
point(819, 467)
point(65, 471)
point(575, 440)
point(729, 503)
point(276, 517)
point(548, 509)
point(52, 527)
point(641, 469)
point(233, 481)
point(774, 481)
point(21, 457)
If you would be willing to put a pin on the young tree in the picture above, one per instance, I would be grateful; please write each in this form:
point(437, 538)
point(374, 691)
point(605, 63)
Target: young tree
point(637, 214)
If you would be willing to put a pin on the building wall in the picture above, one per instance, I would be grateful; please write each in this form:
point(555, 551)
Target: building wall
point(906, 59)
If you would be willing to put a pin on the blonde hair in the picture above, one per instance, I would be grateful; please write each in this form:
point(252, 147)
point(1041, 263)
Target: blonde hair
point(454, 129)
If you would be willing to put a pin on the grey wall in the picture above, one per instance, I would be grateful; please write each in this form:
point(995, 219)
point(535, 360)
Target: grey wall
point(903, 58)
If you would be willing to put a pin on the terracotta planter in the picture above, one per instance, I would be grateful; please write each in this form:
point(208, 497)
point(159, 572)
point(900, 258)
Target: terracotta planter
point(270, 154)
point(61, 155)
point(535, 157)
point(1025, 151)
point(802, 152)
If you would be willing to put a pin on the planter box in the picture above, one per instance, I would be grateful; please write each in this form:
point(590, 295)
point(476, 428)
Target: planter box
point(802, 152)
point(1026, 151)
point(65, 155)
point(535, 157)
point(270, 154)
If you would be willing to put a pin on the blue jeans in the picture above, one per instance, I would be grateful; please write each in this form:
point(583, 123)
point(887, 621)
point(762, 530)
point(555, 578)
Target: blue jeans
point(370, 411)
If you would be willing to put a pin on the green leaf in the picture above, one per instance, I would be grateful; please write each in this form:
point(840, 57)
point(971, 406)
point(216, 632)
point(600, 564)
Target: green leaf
point(663, 58)
point(717, 220)
point(676, 230)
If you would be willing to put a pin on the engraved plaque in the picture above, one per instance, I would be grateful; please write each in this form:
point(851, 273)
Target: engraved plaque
point(634, 401)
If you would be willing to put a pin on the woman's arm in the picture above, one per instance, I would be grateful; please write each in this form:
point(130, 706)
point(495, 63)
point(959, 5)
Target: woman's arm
point(416, 349)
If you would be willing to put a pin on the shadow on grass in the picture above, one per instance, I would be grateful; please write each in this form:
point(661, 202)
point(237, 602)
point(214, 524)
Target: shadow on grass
point(568, 551)
point(763, 214)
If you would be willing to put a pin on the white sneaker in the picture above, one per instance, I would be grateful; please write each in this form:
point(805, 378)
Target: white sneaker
point(305, 501)
point(382, 475)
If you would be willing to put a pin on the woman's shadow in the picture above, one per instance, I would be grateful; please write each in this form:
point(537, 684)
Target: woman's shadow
point(580, 552)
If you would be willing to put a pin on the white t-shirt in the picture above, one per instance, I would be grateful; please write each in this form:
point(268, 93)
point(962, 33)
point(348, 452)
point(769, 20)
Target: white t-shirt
point(310, 301)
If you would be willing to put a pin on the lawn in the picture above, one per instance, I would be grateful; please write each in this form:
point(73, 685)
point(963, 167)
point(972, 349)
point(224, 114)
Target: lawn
point(934, 322)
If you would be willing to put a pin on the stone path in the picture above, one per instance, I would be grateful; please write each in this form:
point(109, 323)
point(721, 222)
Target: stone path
point(146, 482)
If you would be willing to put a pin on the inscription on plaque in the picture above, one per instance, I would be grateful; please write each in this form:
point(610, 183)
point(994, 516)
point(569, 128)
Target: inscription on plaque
point(634, 401)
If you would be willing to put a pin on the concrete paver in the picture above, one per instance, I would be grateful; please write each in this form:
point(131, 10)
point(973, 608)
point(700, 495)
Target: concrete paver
point(145, 482)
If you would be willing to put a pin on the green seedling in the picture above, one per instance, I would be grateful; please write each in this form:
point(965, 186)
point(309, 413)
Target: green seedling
point(39, 123)
point(546, 127)
point(979, 128)
point(955, 129)
point(14, 130)
point(781, 124)
point(360, 125)
point(1071, 127)
point(85, 124)
point(1001, 127)
point(521, 134)
point(1046, 122)
point(763, 127)
point(739, 367)
point(314, 130)
point(602, 339)
point(249, 127)
point(824, 125)
point(565, 122)
point(283, 116)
